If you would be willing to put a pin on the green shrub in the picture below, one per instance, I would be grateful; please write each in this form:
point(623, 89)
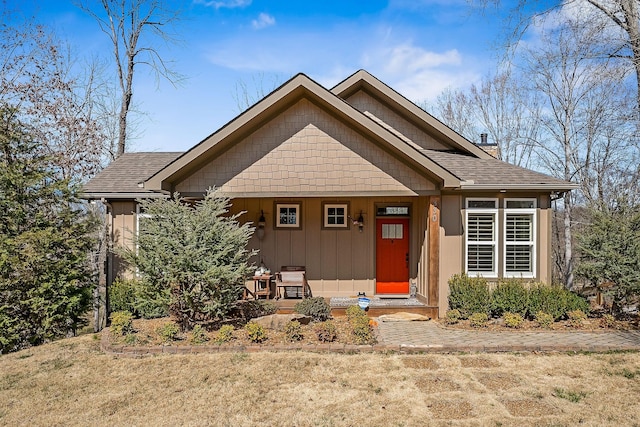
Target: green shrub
point(469, 295)
point(198, 335)
point(293, 331)
point(121, 323)
point(452, 317)
point(510, 296)
point(326, 331)
point(255, 332)
point(168, 332)
point(607, 321)
point(545, 320)
point(555, 300)
point(360, 325)
point(131, 339)
point(361, 329)
point(576, 318)
point(192, 257)
point(250, 309)
point(354, 311)
point(513, 320)
point(315, 307)
point(478, 320)
point(122, 295)
point(574, 302)
point(225, 334)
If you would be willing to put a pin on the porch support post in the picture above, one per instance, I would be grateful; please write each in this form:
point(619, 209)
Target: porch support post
point(434, 250)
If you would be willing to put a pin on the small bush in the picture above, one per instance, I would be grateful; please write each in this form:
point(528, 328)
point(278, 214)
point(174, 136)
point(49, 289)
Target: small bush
point(168, 332)
point(247, 310)
point(452, 317)
point(225, 334)
point(574, 302)
point(255, 332)
point(293, 331)
point(354, 311)
point(544, 320)
point(131, 339)
point(360, 325)
point(362, 331)
point(315, 307)
point(122, 295)
point(469, 295)
point(326, 331)
point(576, 318)
point(513, 320)
point(607, 321)
point(555, 300)
point(510, 296)
point(198, 335)
point(121, 323)
point(478, 320)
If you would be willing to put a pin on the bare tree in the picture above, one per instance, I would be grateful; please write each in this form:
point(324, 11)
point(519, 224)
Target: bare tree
point(581, 120)
point(132, 27)
point(247, 94)
point(37, 79)
point(499, 106)
point(620, 34)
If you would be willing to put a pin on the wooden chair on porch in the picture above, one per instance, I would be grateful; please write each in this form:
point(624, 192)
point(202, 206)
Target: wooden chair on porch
point(292, 282)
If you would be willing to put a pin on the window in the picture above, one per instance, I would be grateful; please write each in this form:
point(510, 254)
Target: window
point(288, 215)
point(481, 237)
point(519, 237)
point(392, 231)
point(335, 215)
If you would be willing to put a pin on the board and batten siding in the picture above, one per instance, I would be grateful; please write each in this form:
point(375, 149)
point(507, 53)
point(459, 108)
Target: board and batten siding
point(338, 262)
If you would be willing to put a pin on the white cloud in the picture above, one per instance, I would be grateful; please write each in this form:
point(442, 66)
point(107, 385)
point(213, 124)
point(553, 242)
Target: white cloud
point(264, 20)
point(417, 73)
point(218, 4)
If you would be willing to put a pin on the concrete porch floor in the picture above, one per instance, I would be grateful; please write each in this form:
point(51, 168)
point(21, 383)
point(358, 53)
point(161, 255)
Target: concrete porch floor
point(377, 306)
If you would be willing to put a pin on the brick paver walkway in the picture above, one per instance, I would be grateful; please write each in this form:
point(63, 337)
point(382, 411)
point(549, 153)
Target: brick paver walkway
point(431, 337)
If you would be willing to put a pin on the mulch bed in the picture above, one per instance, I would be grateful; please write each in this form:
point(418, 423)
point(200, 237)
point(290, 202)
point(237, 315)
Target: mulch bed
point(146, 334)
point(591, 325)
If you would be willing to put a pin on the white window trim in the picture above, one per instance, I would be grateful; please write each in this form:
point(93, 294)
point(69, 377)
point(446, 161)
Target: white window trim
point(494, 243)
point(534, 218)
point(325, 215)
point(288, 205)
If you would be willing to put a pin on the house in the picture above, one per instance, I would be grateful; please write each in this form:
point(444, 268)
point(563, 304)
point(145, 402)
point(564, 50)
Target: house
point(368, 191)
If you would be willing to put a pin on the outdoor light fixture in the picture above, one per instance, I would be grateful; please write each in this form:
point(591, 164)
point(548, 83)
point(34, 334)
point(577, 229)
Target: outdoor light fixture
point(360, 222)
point(261, 225)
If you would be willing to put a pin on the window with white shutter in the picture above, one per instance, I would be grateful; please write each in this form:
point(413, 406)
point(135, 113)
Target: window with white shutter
point(519, 237)
point(482, 237)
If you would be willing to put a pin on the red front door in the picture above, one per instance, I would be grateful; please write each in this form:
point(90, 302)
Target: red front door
point(392, 256)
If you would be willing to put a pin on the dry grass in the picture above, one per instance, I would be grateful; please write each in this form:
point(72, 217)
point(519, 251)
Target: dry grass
point(70, 382)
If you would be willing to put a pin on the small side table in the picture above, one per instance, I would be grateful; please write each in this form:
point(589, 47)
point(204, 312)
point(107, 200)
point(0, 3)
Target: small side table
point(262, 285)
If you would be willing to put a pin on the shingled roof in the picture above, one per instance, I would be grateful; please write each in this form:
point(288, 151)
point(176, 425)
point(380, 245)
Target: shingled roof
point(121, 178)
point(463, 167)
point(493, 174)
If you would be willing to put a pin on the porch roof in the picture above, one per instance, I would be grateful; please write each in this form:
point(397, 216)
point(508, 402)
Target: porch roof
point(122, 178)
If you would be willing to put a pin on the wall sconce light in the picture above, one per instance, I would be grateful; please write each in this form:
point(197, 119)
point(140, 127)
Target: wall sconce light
point(261, 225)
point(360, 222)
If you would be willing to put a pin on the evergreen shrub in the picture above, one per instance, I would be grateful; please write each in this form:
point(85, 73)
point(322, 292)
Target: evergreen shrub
point(478, 320)
point(121, 323)
point(315, 307)
point(326, 331)
point(469, 295)
point(513, 320)
point(511, 296)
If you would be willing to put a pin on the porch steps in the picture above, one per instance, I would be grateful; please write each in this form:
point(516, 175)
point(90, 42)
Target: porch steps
point(377, 306)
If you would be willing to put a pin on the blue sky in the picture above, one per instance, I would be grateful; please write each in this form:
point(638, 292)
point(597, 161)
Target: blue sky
point(418, 47)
